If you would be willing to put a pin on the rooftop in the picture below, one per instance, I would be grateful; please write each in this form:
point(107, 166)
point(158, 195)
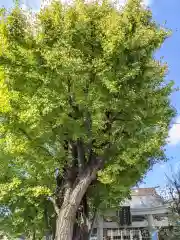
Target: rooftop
point(144, 192)
point(144, 198)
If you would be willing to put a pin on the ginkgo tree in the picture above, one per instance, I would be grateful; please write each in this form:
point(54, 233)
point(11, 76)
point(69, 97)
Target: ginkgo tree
point(84, 110)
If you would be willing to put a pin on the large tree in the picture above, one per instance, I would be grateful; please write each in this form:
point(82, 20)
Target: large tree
point(84, 108)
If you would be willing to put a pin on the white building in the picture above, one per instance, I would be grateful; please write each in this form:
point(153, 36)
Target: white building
point(148, 213)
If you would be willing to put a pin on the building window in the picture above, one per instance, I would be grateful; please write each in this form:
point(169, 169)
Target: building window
point(94, 234)
point(138, 218)
point(94, 231)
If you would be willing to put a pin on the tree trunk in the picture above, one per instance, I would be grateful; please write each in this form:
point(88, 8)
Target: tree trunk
point(65, 223)
point(72, 199)
point(80, 232)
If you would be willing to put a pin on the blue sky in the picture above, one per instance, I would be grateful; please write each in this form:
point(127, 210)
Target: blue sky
point(163, 10)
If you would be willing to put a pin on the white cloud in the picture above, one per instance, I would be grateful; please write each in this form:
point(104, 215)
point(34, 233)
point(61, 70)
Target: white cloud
point(174, 133)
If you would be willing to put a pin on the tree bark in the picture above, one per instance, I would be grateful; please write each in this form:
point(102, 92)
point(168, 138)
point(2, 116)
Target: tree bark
point(65, 223)
point(72, 199)
point(80, 232)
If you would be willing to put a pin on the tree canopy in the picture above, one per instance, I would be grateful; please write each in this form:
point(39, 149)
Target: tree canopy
point(79, 89)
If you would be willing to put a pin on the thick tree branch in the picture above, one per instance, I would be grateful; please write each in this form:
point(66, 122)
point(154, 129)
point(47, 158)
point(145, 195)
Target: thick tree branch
point(88, 126)
point(54, 204)
point(81, 155)
point(82, 182)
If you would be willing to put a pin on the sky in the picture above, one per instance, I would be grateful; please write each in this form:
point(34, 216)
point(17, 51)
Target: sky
point(163, 11)
point(168, 11)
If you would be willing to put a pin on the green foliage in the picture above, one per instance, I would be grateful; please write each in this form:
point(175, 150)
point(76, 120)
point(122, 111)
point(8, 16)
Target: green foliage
point(89, 57)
